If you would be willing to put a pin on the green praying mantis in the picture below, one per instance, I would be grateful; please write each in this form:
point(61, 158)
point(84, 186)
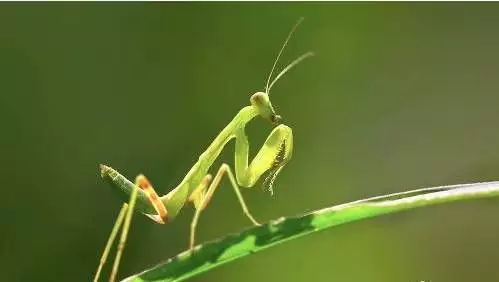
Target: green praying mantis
point(198, 185)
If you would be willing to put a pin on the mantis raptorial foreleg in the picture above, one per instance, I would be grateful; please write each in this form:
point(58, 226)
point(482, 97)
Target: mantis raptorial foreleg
point(198, 186)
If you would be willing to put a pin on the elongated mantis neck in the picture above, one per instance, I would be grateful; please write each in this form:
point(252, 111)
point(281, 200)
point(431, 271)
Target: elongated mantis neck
point(206, 159)
point(177, 197)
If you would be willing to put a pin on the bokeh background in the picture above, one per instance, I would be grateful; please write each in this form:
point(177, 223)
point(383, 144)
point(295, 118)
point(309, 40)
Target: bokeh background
point(399, 96)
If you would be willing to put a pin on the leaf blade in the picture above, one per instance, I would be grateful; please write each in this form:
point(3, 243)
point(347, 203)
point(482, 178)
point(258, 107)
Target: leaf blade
point(232, 247)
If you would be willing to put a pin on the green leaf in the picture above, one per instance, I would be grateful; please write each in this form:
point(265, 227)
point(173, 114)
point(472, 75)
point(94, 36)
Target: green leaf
point(214, 254)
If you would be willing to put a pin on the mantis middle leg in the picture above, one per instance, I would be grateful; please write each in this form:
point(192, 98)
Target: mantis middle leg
point(274, 153)
point(203, 197)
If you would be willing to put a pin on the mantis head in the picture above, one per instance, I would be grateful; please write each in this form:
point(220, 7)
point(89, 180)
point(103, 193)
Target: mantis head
point(261, 102)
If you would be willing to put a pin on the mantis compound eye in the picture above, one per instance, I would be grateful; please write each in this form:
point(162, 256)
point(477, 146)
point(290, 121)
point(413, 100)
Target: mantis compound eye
point(259, 99)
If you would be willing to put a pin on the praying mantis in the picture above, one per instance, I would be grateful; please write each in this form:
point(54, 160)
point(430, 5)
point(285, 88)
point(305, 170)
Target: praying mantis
point(198, 185)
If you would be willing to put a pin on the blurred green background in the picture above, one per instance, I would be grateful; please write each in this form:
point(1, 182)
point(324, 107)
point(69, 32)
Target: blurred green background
point(399, 96)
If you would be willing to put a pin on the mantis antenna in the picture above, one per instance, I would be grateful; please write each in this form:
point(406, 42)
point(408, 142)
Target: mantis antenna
point(290, 66)
point(287, 68)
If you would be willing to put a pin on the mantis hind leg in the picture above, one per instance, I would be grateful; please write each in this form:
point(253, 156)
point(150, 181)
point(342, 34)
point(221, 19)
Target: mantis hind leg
point(125, 216)
point(202, 196)
point(110, 240)
point(124, 235)
point(161, 215)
